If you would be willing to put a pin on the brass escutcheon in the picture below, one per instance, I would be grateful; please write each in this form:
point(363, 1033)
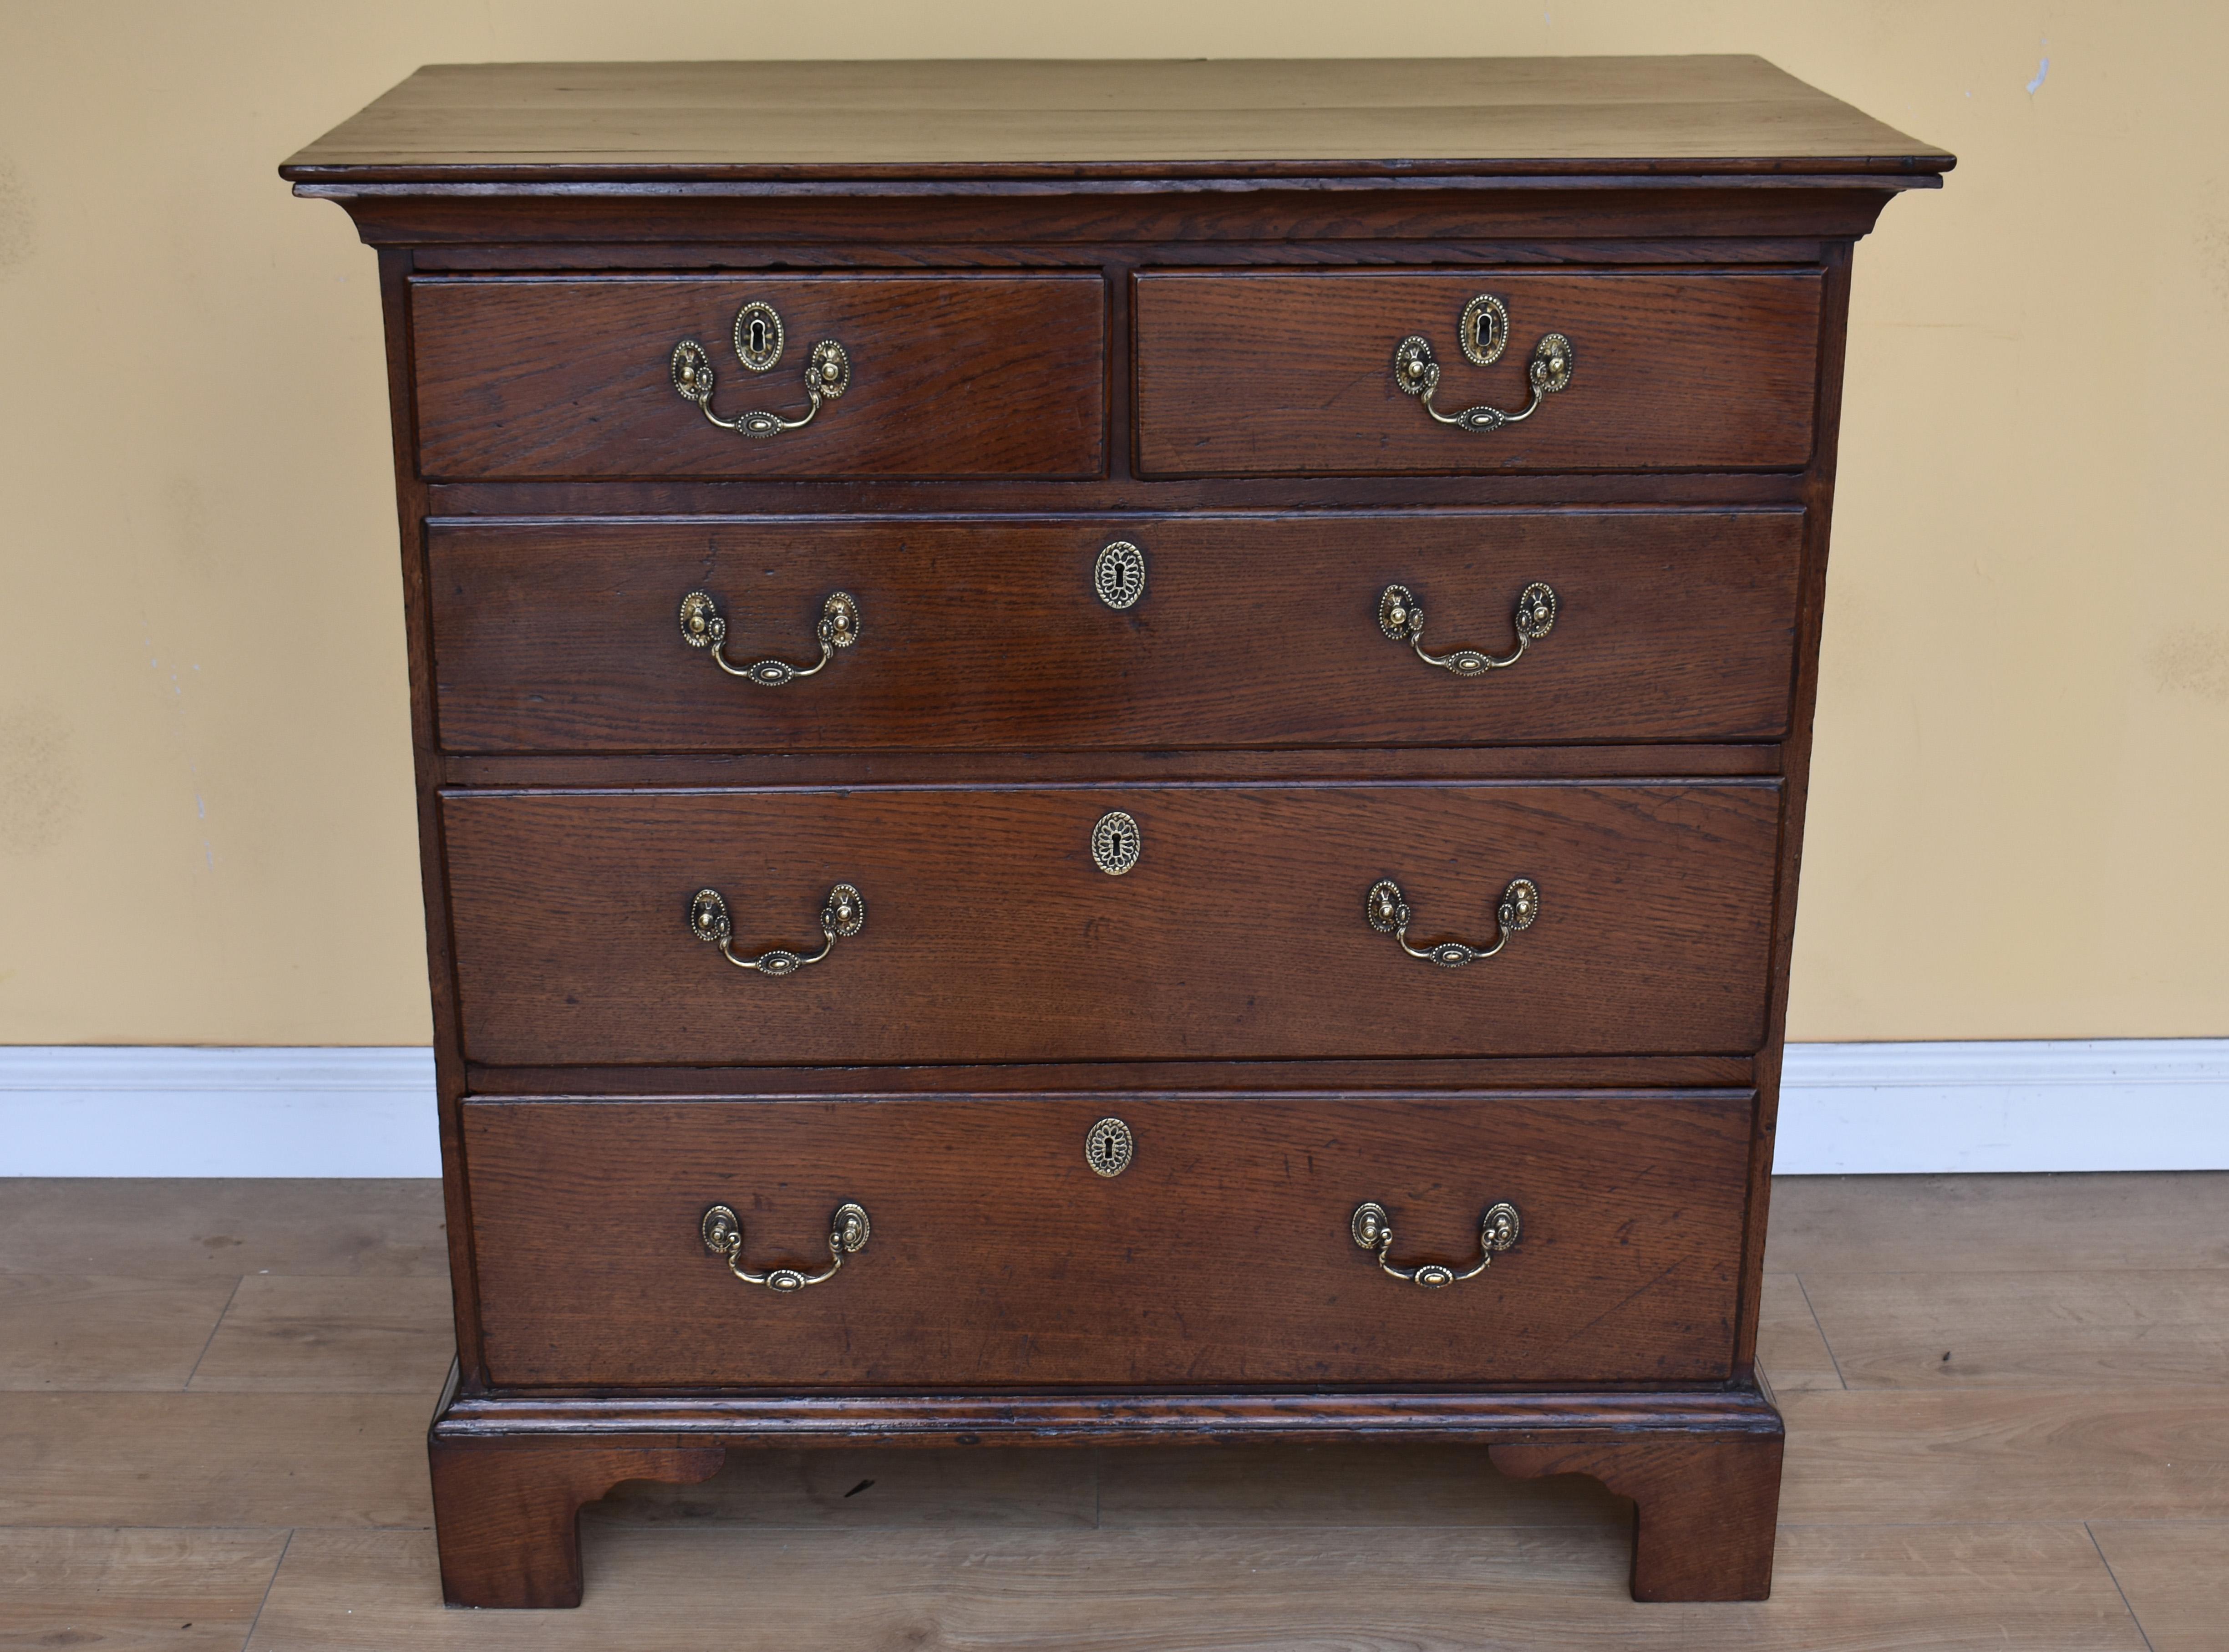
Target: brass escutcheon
point(1118, 576)
point(1107, 1146)
point(1116, 842)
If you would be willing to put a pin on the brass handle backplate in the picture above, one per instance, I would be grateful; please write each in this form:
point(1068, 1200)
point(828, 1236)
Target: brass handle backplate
point(703, 627)
point(1373, 1230)
point(721, 1231)
point(1401, 617)
point(1389, 914)
point(758, 339)
point(843, 914)
point(1484, 333)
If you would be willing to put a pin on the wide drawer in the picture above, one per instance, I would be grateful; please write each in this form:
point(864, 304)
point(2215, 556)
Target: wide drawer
point(995, 1255)
point(992, 935)
point(1283, 374)
point(545, 378)
point(1248, 632)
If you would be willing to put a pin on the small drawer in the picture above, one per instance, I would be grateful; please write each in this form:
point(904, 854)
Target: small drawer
point(995, 1255)
point(551, 378)
point(1290, 374)
point(1110, 923)
point(1115, 633)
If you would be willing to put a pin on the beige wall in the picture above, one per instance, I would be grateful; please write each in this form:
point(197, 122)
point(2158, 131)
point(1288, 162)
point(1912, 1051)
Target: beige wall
point(2023, 760)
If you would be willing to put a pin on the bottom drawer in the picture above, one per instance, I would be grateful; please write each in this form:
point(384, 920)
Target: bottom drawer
point(997, 1257)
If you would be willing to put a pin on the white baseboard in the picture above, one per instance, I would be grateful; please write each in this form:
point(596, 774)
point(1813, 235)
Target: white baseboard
point(2071, 1104)
point(150, 1111)
point(1846, 1109)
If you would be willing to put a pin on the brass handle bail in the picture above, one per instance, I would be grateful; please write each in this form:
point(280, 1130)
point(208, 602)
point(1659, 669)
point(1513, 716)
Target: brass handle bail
point(758, 338)
point(1401, 617)
point(721, 1230)
point(703, 627)
point(1389, 913)
point(843, 914)
point(1484, 334)
point(1372, 1231)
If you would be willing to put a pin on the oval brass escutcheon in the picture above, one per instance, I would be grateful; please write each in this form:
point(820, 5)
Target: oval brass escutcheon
point(701, 624)
point(851, 1228)
point(1118, 577)
point(1535, 611)
point(1552, 363)
point(1485, 332)
point(707, 916)
point(839, 618)
point(1397, 613)
point(828, 375)
point(1116, 843)
point(719, 1227)
point(1107, 1147)
point(1414, 370)
point(758, 336)
point(1384, 907)
point(845, 912)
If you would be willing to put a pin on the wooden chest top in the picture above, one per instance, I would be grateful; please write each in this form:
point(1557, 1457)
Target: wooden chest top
point(1017, 118)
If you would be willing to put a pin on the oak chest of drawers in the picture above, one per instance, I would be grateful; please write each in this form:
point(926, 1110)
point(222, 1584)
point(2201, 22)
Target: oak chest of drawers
point(1111, 752)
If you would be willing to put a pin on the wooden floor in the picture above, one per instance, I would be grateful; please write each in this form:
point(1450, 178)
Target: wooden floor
point(2007, 1413)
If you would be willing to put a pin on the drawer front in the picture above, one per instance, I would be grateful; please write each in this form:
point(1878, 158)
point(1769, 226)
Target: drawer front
point(543, 378)
point(1284, 375)
point(996, 1256)
point(1667, 626)
point(992, 935)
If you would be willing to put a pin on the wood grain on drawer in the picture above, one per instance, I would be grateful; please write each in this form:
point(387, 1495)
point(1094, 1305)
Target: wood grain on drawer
point(984, 635)
point(1222, 1254)
point(1284, 375)
point(991, 935)
point(548, 378)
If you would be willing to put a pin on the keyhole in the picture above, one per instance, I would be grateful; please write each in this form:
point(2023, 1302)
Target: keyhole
point(758, 337)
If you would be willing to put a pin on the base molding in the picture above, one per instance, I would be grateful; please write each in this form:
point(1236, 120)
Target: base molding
point(1069, 1418)
point(511, 1472)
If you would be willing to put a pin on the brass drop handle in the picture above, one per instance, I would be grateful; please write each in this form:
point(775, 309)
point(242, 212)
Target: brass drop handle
point(758, 338)
point(1373, 1230)
point(1401, 617)
point(844, 913)
point(721, 1231)
point(1389, 914)
point(703, 627)
point(1484, 334)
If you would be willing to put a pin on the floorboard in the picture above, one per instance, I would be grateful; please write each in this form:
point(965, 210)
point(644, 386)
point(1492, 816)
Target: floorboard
point(1236, 1588)
point(1964, 1330)
point(326, 1334)
point(222, 1459)
point(2176, 1578)
point(2047, 1224)
point(98, 1331)
point(2007, 1454)
point(133, 1591)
